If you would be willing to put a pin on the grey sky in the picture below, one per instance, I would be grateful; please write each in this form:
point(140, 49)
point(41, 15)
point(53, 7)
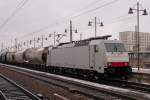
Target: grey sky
point(35, 15)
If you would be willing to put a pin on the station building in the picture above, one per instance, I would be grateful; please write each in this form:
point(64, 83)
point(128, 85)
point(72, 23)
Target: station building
point(129, 38)
point(144, 59)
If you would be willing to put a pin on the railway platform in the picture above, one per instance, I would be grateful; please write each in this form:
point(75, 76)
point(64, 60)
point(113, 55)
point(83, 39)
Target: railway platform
point(141, 70)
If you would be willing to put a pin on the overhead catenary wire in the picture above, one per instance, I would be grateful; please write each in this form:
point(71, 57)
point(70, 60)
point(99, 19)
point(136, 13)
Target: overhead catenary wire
point(91, 4)
point(18, 8)
point(74, 16)
point(40, 30)
point(106, 4)
point(61, 20)
point(123, 18)
point(119, 19)
point(94, 9)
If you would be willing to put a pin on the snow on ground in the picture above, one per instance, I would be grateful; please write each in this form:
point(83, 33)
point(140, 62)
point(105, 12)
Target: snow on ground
point(141, 70)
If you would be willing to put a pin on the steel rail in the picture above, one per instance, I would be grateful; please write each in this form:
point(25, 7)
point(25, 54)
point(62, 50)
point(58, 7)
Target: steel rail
point(11, 90)
point(86, 89)
point(2, 96)
point(129, 84)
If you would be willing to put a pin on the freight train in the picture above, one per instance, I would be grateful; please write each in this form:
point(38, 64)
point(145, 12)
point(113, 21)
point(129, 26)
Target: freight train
point(89, 57)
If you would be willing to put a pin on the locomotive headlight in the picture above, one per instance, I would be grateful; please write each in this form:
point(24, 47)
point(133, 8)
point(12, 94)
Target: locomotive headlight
point(126, 64)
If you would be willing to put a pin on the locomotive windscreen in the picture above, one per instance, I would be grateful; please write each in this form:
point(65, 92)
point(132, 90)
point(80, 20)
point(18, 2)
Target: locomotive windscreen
point(115, 47)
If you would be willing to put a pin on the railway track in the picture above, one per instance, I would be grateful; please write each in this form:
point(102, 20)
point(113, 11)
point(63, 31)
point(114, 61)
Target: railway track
point(90, 89)
point(9, 90)
point(141, 87)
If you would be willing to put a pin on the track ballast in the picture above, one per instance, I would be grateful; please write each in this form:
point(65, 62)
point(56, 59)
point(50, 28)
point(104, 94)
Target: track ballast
point(9, 90)
point(53, 79)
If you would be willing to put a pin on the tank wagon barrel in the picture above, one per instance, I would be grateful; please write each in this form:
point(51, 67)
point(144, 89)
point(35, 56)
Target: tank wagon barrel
point(10, 57)
point(36, 55)
point(19, 57)
point(3, 57)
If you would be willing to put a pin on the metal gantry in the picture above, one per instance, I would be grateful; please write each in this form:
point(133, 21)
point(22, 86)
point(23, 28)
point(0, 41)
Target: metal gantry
point(57, 37)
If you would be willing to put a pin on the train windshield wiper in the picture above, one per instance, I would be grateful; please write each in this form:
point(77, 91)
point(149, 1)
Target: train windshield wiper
point(115, 48)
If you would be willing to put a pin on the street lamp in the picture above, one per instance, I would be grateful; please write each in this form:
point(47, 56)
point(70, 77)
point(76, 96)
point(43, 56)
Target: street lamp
point(71, 31)
point(95, 23)
point(138, 36)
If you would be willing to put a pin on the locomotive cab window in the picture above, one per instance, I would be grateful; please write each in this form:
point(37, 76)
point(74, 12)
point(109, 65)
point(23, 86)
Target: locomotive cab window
point(115, 47)
point(95, 48)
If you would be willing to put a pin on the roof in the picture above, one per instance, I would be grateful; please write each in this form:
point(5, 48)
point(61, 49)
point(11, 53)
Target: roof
point(85, 41)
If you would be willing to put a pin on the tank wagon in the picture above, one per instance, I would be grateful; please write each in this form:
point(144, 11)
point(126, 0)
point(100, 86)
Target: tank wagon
point(89, 57)
point(10, 57)
point(3, 57)
point(36, 56)
point(19, 57)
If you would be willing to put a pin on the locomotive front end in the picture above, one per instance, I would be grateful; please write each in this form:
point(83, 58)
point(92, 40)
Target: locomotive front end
point(117, 58)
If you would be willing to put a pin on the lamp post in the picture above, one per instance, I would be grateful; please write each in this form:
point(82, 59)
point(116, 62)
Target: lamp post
point(138, 35)
point(95, 24)
point(2, 47)
point(34, 40)
point(80, 36)
point(43, 38)
point(16, 47)
point(71, 31)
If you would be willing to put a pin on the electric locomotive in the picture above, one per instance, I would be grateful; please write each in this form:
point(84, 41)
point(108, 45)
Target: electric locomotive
point(91, 56)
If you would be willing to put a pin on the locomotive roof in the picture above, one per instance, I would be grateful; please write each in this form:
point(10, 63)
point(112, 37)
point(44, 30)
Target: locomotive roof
point(84, 42)
point(99, 37)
